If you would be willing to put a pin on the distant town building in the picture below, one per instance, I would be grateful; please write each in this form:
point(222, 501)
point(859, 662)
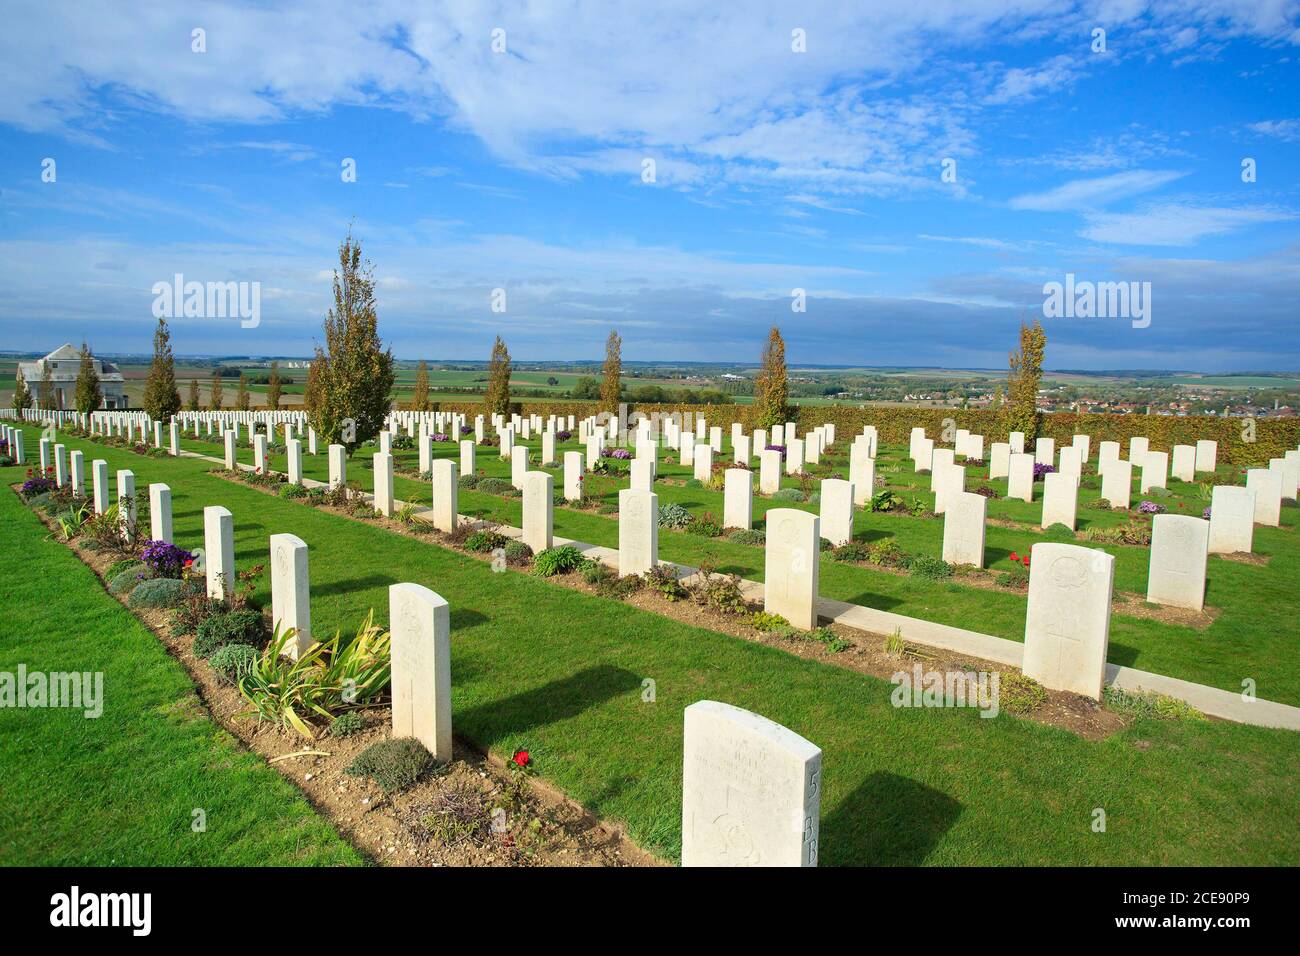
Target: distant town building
point(64, 363)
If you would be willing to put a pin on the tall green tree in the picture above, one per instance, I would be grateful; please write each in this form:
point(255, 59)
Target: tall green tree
point(274, 387)
point(242, 399)
point(357, 374)
point(611, 384)
point(312, 390)
point(90, 395)
point(161, 399)
point(771, 389)
point(215, 395)
point(420, 393)
point(498, 387)
point(1025, 371)
point(193, 402)
point(22, 398)
point(45, 395)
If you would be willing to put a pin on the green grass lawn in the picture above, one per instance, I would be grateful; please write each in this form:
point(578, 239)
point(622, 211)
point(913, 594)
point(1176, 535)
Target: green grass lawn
point(559, 673)
point(1238, 645)
point(121, 789)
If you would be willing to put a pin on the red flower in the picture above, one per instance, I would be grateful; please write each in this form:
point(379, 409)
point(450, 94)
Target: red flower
point(520, 758)
point(1014, 556)
point(1026, 560)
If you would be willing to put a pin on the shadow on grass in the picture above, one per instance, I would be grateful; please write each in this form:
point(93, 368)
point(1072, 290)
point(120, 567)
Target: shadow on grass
point(551, 703)
point(887, 821)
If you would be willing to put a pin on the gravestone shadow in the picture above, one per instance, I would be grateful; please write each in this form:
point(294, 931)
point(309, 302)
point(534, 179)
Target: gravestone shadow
point(887, 821)
point(551, 703)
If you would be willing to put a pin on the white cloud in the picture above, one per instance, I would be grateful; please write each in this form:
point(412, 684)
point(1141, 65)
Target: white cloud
point(1091, 193)
point(1173, 224)
point(1287, 129)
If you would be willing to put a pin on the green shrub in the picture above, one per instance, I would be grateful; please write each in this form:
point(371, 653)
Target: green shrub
point(345, 725)
point(394, 765)
point(560, 560)
point(1017, 578)
point(706, 525)
point(930, 568)
point(232, 661)
point(1018, 694)
point(125, 581)
point(157, 592)
point(663, 578)
point(517, 552)
point(484, 541)
point(852, 551)
point(787, 494)
point(494, 486)
point(762, 621)
point(292, 491)
point(244, 626)
point(467, 481)
point(119, 566)
point(694, 483)
point(674, 516)
point(748, 536)
point(721, 591)
point(833, 642)
point(595, 572)
point(887, 554)
point(1149, 704)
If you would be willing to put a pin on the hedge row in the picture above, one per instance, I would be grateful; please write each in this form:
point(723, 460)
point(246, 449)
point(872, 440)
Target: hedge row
point(1272, 437)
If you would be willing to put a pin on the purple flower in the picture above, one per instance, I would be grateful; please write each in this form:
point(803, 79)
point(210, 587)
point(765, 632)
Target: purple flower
point(780, 448)
point(38, 486)
point(465, 429)
point(1206, 514)
point(1041, 469)
point(1151, 508)
point(164, 559)
point(439, 437)
point(564, 436)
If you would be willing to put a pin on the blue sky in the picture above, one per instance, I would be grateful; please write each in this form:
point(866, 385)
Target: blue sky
point(775, 170)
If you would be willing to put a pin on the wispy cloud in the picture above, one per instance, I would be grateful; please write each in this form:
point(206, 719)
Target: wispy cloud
point(1083, 194)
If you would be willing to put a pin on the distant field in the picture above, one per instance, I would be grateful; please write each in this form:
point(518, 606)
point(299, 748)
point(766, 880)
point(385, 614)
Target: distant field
point(1235, 381)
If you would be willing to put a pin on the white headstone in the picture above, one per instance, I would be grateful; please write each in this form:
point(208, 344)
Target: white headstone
point(126, 501)
point(1267, 486)
point(1232, 519)
point(1067, 624)
point(1060, 499)
point(738, 498)
point(1179, 551)
point(420, 626)
point(1155, 470)
point(1117, 481)
point(538, 505)
point(791, 566)
point(751, 790)
point(638, 531)
point(160, 513)
point(219, 552)
point(1184, 462)
point(837, 510)
point(291, 591)
point(1207, 455)
point(99, 478)
point(293, 452)
point(383, 468)
point(963, 529)
point(338, 464)
point(573, 476)
point(1000, 460)
point(1020, 477)
point(769, 471)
